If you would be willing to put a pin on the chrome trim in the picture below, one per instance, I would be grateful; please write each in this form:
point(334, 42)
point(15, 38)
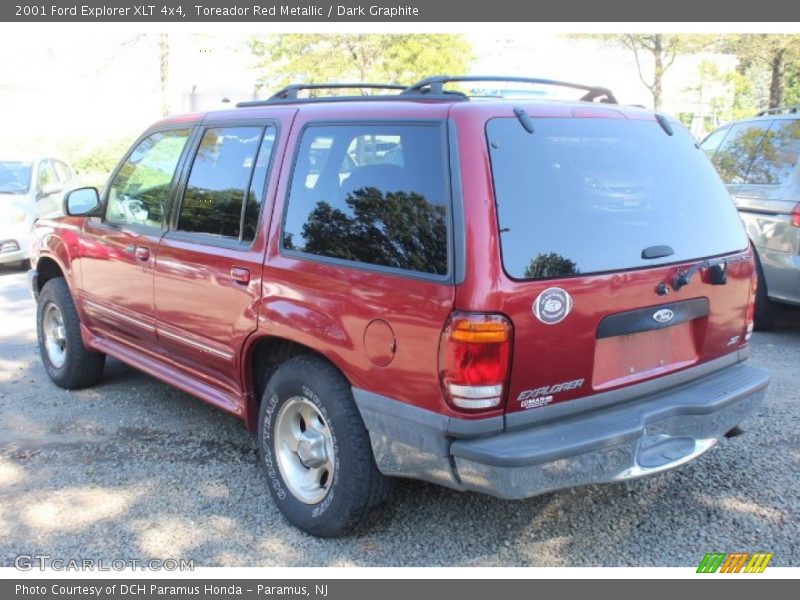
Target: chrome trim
point(93, 306)
point(218, 352)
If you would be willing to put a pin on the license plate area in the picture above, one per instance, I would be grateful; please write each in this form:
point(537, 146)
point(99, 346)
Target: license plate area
point(624, 359)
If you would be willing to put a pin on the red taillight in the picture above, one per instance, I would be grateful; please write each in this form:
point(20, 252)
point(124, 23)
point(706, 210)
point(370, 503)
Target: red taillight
point(751, 305)
point(474, 360)
point(796, 215)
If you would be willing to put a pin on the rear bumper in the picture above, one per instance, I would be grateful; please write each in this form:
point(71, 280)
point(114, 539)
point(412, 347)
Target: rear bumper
point(625, 440)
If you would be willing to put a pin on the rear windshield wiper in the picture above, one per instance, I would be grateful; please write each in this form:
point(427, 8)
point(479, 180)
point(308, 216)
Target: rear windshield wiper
point(717, 267)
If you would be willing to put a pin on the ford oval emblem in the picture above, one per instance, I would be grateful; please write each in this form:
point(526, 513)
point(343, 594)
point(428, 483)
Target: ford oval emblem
point(664, 315)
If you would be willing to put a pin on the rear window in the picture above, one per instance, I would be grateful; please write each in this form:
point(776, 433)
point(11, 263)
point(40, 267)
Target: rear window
point(582, 196)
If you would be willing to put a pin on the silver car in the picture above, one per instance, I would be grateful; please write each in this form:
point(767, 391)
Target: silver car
point(31, 188)
point(758, 161)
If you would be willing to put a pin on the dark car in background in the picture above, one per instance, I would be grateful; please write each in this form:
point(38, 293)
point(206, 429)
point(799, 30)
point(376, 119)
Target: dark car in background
point(757, 159)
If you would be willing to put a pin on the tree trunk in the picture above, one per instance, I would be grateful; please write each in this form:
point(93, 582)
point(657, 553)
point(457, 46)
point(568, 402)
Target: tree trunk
point(778, 66)
point(658, 70)
point(163, 46)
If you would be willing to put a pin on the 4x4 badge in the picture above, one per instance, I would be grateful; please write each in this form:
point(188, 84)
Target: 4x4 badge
point(664, 315)
point(552, 306)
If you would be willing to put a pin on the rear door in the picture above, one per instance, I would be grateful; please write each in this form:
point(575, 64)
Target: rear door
point(118, 251)
point(596, 219)
point(208, 273)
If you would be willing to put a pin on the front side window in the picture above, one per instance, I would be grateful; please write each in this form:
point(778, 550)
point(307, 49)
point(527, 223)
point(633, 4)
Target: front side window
point(139, 193)
point(373, 194)
point(226, 182)
point(63, 171)
point(47, 174)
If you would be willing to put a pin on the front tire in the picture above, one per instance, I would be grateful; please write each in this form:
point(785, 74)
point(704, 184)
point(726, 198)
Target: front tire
point(315, 449)
point(68, 363)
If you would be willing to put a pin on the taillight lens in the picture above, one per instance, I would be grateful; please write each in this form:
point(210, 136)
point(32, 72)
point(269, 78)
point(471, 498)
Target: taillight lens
point(796, 215)
point(474, 360)
point(751, 305)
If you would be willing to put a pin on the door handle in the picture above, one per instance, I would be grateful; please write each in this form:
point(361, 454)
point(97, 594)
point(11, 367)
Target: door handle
point(240, 275)
point(142, 253)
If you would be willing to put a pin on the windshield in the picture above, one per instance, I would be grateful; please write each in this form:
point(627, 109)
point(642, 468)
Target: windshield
point(15, 177)
point(581, 196)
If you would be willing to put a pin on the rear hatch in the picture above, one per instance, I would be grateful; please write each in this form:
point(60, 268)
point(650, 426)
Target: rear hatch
point(598, 219)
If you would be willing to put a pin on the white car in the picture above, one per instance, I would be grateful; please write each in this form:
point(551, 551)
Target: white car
point(30, 189)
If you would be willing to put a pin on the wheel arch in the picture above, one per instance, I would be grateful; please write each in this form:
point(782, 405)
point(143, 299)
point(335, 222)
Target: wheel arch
point(262, 356)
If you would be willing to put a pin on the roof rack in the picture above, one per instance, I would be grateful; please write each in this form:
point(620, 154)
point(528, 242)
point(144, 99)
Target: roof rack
point(431, 88)
point(290, 92)
point(779, 110)
point(435, 86)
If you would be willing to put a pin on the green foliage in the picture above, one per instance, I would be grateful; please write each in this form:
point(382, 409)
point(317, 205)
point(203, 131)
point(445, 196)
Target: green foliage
point(94, 163)
point(550, 265)
point(399, 230)
point(373, 58)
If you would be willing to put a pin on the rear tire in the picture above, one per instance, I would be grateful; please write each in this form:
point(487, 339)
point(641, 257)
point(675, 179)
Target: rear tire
point(767, 311)
point(315, 450)
point(68, 363)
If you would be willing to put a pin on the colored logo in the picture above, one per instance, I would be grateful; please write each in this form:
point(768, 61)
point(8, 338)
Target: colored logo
point(734, 562)
point(664, 315)
point(552, 306)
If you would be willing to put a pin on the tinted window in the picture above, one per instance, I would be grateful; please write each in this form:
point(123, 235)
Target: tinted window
point(584, 196)
point(220, 175)
point(15, 177)
point(371, 193)
point(737, 151)
point(139, 192)
point(777, 153)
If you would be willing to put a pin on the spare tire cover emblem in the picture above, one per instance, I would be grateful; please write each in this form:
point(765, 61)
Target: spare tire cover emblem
point(552, 306)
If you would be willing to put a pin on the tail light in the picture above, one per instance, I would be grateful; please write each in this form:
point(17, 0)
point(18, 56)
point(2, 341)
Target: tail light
point(751, 305)
point(474, 357)
point(796, 215)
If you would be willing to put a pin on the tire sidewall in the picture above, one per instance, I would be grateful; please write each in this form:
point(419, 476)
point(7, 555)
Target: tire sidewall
point(330, 516)
point(48, 296)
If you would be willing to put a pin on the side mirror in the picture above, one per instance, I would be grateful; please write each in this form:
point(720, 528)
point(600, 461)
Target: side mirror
point(50, 189)
point(82, 202)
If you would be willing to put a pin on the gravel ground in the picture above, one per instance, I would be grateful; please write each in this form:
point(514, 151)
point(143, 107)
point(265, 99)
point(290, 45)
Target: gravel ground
point(135, 469)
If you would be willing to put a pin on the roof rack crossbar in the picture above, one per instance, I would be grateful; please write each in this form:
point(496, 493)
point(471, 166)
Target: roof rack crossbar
point(434, 86)
point(777, 110)
point(290, 92)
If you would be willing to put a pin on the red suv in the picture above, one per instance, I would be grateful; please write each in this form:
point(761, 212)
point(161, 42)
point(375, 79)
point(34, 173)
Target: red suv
point(495, 295)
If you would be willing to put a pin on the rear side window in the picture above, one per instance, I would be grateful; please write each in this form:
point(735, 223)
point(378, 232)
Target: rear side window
point(738, 150)
point(580, 196)
point(777, 153)
point(139, 192)
point(225, 188)
point(373, 194)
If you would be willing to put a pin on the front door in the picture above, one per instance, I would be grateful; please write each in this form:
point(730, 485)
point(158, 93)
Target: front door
point(208, 272)
point(118, 251)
